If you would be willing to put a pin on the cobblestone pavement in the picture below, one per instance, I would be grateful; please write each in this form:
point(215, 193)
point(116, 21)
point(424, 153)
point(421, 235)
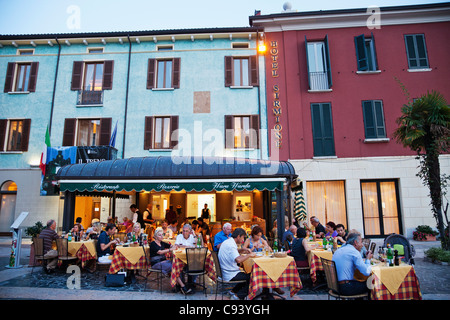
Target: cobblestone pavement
point(22, 284)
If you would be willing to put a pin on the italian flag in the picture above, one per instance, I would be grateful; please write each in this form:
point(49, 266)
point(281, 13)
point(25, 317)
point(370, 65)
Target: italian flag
point(43, 162)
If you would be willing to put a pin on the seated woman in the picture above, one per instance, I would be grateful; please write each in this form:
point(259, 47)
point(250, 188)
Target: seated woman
point(330, 228)
point(137, 231)
point(95, 231)
point(300, 249)
point(76, 231)
point(158, 250)
point(255, 242)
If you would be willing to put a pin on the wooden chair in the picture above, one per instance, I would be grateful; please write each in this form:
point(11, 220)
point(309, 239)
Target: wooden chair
point(38, 244)
point(62, 245)
point(332, 282)
point(196, 259)
point(219, 279)
point(150, 270)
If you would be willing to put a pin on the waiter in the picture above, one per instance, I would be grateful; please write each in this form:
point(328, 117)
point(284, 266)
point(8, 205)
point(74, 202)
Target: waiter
point(137, 216)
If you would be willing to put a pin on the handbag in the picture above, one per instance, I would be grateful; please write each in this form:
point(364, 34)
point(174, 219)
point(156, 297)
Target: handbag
point(114, 280)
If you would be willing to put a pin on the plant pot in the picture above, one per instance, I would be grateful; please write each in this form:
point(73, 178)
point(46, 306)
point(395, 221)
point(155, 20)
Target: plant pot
point(430, 237)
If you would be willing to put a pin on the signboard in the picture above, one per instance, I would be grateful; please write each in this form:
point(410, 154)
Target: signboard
point(158, 186)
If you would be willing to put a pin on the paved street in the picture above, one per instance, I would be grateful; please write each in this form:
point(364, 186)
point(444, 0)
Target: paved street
point(19, 284)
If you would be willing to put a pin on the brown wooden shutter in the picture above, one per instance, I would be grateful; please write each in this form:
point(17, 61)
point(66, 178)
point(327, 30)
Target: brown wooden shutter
point(3, 124)
point(173, 132)
point(9, 77)
point(69, 132)
point(229, 132)
point(254, 133)
point(148, 133)
point(108, 71)
point(254, 78)
point(77, 75)
point(151, 73)
point(33, 77)
point(105, 131)
point(26, 126)
point(228, 71)
point(176, 73)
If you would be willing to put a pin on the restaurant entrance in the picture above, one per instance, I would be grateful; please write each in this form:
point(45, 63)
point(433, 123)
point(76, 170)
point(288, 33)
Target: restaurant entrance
point(242, 191)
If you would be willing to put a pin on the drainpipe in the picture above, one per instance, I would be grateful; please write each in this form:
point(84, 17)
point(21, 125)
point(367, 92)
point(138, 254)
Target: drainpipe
point(126, 98)
point(54, 88)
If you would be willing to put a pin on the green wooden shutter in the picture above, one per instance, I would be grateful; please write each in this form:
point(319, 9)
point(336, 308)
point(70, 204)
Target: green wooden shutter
point(327, 55)
point(322, 125)
point(307, 63)
point(361, 54)
point(369, 120)
point(374, 52)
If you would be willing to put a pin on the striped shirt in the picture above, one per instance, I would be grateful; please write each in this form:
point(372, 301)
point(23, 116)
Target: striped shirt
point(48, 235)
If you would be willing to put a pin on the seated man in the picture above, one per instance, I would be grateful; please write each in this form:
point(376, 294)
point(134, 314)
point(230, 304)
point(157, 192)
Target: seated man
point(347, 259)
point(230, 257)
point(104, 241)
point(187, 238)
point(49, 234)
point(222, 236)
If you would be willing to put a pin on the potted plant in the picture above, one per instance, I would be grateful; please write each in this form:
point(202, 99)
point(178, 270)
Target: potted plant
point(33, 232)
point(424, 233)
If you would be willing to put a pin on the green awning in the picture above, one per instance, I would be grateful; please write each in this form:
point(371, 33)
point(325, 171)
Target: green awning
point(187, 185)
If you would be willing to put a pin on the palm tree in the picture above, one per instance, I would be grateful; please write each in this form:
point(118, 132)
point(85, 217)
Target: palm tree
point(424, 127)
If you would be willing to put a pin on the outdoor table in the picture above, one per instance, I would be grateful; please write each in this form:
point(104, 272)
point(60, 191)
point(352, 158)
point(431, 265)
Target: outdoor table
point(131, 258)
point(83, 250)
point(271, 272)
point(314, 261)
point(180, 260)
point(395, 283)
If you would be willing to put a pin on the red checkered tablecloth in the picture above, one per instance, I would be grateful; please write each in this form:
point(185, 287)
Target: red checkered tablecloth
point(120, 262)
point(289, 278)
point(408, 290)
point(84, 255)
point(178, 265)
point(314, 265)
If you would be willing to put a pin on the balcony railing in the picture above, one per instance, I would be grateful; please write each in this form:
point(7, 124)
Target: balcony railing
point(90, 97)
point(319, 80)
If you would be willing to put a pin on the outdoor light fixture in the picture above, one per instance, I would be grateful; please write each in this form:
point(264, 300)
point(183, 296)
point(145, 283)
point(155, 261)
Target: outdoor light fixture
point(262, 47)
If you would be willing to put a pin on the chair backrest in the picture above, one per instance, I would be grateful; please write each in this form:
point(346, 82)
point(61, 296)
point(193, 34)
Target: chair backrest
point(331, 274)
point(399, 239)
point(62, 245)
point(217, 264)
point(196, 258)
point(38, 244)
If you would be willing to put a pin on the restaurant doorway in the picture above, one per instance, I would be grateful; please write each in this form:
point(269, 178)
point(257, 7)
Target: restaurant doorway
point(196, 202)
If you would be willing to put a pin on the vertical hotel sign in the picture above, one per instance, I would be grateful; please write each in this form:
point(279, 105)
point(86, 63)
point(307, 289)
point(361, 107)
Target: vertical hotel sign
point(276, 106)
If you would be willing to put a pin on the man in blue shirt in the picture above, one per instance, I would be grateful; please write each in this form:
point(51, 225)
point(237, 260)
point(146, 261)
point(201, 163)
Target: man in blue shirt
point(222, 236)
point(104, 241)
point(347, 259)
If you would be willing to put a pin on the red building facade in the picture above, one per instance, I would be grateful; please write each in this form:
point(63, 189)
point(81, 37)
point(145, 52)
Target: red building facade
point(336, 82)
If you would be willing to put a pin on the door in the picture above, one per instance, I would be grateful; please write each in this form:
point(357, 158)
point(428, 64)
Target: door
point(8, 193)
point(381, 210)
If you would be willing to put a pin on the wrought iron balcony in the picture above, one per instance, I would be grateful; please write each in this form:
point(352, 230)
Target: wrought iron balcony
point(88, 97)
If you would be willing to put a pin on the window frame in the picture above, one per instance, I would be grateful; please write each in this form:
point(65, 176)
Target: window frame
point(5, 132)
point(368, 56)
point(326, 65)
point(253, 134)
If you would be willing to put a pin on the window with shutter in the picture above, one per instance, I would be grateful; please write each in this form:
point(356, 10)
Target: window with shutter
point(365, 53)
point(322, 127)
point(373, 119)
point(21, 77)
point(77, 74)
point(151, 73)
point(242, 132)
point(318, 64)
point(69, 132)
point(241, 71)
point(9, 77)
point(108, 74)
point(163, 73)
point(416, 51)
point(14, 134)
point(161, 132)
